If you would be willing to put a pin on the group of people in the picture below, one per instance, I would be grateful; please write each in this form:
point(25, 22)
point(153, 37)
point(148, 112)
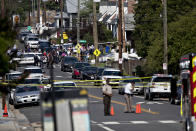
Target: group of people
point(107, 95)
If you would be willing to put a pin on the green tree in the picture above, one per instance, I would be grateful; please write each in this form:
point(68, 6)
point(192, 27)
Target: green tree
point(148, 34)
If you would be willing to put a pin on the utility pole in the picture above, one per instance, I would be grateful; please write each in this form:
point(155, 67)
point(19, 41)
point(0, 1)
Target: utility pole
point(61, 29)
point(165, 35)
point(78, 23)
point(38, 11)
point(78, 27)
point(123, 27)
point(29, 12)
point(95, 36)
point(2, 9)
point(120, 34)
point(44, 13)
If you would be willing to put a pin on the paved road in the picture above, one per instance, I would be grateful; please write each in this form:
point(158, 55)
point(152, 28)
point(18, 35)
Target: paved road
point(156, 115)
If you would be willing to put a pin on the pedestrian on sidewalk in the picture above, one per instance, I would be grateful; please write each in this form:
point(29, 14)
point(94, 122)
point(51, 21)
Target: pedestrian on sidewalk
point(128, 96)
point(107, 94)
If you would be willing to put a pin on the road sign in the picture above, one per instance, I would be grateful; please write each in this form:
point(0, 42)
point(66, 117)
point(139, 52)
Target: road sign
point(28, 27)
point(97, 52)
point(164, 66)
point(78, 46)
point(78, 51)
point(82, 41)
point(120, 61)
point(65, 36)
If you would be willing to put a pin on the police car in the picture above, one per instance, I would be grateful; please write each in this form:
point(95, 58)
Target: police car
point(159, 86)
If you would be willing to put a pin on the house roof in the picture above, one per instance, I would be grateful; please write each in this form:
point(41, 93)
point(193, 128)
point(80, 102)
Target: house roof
point(72, 5)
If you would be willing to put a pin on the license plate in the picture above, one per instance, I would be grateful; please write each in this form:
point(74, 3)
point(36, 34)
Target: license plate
point(29, 100)
point(92, 77)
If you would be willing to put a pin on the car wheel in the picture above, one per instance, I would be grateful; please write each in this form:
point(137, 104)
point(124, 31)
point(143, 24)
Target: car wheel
point(11, 101)
point(172, 101)
point(16, 106)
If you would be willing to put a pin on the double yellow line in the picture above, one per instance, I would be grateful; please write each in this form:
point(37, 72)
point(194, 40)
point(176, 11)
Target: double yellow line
point(120, 103)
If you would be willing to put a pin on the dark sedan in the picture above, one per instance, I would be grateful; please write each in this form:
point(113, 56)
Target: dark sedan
point(67, 63)
point(76, 68)
point(88, 73)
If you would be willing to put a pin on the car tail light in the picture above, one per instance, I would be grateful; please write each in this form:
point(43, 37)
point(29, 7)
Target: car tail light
point(76, 72)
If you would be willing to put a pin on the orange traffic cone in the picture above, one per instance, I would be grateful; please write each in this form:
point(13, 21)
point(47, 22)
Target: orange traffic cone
point(138, 108)
point(112, 111)
point(5, 114)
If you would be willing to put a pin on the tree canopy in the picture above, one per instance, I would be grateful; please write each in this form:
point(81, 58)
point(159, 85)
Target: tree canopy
point(148, 34)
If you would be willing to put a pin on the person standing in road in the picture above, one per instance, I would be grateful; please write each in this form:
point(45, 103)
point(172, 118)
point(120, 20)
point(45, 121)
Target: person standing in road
point(128, 94)
point(107, 94)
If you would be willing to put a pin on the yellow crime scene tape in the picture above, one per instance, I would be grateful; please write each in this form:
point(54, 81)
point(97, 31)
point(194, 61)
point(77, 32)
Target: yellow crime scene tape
point(94, 84)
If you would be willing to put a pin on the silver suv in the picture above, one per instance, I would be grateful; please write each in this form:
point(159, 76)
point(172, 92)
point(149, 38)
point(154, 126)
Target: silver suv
point(159, 86)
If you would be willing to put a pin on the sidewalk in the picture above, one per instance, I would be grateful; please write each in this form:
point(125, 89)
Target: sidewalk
point(15, 120)
point(7, 123)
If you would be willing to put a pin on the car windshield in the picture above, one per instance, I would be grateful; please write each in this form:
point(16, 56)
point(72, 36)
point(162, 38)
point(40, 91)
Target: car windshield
point(162, 79)
point(112, 73)
point(64, 86)
point(32, 81)
point(100, 71)
point(28, 55)
point(33, 71)
point(44, 44)
point(79, 65)
point(90, 68)
point(12, 76)
point(27, 89)
point(33, 39)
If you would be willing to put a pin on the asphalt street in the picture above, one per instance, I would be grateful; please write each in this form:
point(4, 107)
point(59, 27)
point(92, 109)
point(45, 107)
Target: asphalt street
point(155, 115)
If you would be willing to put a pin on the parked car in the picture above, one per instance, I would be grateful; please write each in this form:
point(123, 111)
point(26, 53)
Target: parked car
point(26, 59)
point(34, 71)
point(64, 85)
point(44, 45)
point(113, 74)
point(23, 34)
point(67, 63)
point(32, 42)
point(88, 73)
point(13, 75)
point(139, 87)
point(26, 94)
point(76, 68)
point(159, 86)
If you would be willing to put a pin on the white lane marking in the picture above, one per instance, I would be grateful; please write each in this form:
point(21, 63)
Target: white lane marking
point(149, 103)
point(139, 96)
point(110, 123)
point(139, 122)
point(168, 121)
point(94, 122)
point(93, 101)
point(104, 127)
